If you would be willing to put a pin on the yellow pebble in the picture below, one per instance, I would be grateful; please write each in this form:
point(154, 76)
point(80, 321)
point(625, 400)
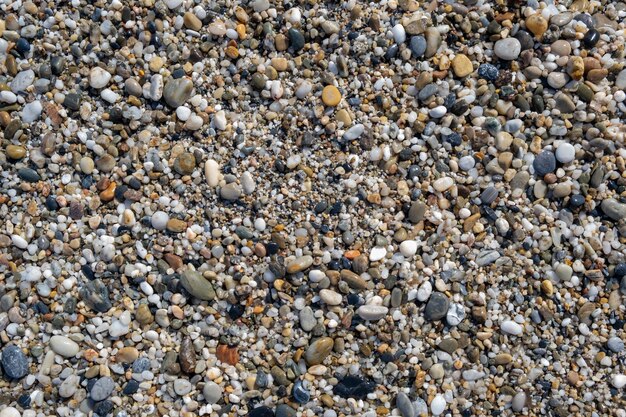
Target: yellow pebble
point(331, 95)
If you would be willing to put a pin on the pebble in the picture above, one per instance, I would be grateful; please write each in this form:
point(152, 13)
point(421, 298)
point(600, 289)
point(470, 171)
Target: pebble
point(197, 285)
point(544, 163)
point(212, 392)
point(102, 389)
point(330, 297)
point(565, 153)
point(63, 346)
point(14, 362)
point(462, 66)
point(436, 307)
point(331, 96)
point(403, 403)
point(99, 78)
point(507, 49)
point(318, 350)
point(438, 405)
point(511, 327)
point(176, 92)
point(372, 312)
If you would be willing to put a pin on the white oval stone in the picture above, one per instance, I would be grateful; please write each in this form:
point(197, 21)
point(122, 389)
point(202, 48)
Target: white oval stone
point(511, 327)
point(19, 241)
point(159, 220)
point(354, 132)
point(247, 182)
point(371, 312)
point(330, 297)
point(10, 412)
point(99, 77)
point(619, 381)
point(219, 120)
point(443, 184)
point(64, 346)
point(377, 254)
point(565, 153)
point(212, 173)
point(399, 34)
point(408, 248)
point(438, 405)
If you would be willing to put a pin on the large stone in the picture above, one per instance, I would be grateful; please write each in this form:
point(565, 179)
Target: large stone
point(437, 307)
point(319, 350)
point(197, 285)
point(64, 346)
point(177, 91)
point(614, 209)
point(14, 362)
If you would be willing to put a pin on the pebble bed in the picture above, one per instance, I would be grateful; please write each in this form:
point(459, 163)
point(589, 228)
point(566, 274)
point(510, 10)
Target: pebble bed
point(312, 208)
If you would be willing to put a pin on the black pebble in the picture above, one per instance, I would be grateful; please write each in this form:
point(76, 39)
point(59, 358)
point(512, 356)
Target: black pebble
point(262, 411)
point(131, 387)
point(591, 38)
point(354, 387)
point(22, 46)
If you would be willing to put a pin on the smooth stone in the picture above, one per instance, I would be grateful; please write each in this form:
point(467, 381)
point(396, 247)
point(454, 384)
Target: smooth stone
point(307, 319)
point(300, 393)
point(372, 312)
point(354, 132)
point(197, 285)
point(99, 78)
point(487, 257)
point(519, 402)
point(185, 163)
point(102, 389)
point(544, 163)
point(64, 346)
point(614, 209)
point(261, 411)
point(615, 344)
point(511, 327)
point(408, 248)
point(462, 66)
point(417, 212)
point(69, 386)
point(32, 111)
point(159, 220)
point(418, 46)
point(212, 173)
point(353, 386)
point(565, 153)
point(438, 405)
point(22, 81)
point(331, 96)
point(14, 362)
point(177, 91)
point(95, 295)
point(182, 386)
point(231, 192)
point(10, 412)
point(433, 41)
point(318, 350)
point(507, 49)
point(212, 392)
point(443, 184)
point(404, 404)
point(299, 264)
point(399, 34)
point(28, 174)
point(283, 410)
point(377, 253)
point(620, 80)
point(618, 381)
point(436, 307)
point(331, 297)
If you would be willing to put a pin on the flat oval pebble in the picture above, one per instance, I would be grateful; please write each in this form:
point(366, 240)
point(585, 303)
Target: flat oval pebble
point(511, 327)
point(372, 312)
point(63, 346)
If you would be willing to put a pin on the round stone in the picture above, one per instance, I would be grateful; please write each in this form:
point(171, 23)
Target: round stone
point(507, 49)
point(565, 153)
point(331, 96)
point(462, 66)
point(102, 389)
point(212, 392)
point(544, 163)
